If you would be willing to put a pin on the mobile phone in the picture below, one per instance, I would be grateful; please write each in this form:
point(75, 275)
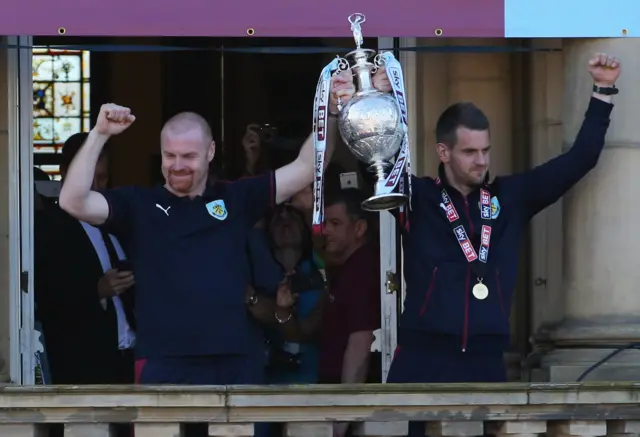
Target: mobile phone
point(348, 180)
point(300, 283)
point(124, 265)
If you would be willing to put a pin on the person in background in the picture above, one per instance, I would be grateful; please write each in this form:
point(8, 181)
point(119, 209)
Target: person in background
point(41, 205)
point(303, 202)
point(84, 302)
point(40, 202)
point(83, 292)
point(345, 319)
point(255, 142)
point(289, 258)
point(282, 251)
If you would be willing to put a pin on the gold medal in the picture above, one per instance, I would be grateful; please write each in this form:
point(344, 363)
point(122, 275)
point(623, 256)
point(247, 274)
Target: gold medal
point(480, 291)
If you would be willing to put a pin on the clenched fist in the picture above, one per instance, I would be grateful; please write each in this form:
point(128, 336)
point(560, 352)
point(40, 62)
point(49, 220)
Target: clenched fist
point(604, 69)
point(342, 87)
point(380, 81)
point(113, 119)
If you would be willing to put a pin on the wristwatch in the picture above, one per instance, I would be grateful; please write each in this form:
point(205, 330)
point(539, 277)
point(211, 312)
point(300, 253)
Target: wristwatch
point(252, 300)
point(605, 91)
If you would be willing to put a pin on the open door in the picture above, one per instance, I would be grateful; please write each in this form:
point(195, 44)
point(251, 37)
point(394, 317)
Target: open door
point(386, 338)
point(24, 344)
point(392, 289)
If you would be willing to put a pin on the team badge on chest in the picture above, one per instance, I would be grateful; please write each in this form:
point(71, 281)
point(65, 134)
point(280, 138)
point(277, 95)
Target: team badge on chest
point(217, 209)
point(495, 208)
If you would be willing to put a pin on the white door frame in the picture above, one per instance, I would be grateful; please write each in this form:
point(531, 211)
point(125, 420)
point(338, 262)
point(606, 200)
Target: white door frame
point(387, 335)
point(13, 191)
point(386, 339)
point(409, 64)
point(20, 82)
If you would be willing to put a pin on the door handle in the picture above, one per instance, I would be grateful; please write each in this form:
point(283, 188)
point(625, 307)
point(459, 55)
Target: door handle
point(392, 284)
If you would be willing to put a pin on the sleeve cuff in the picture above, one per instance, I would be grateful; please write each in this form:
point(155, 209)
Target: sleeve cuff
point(105, 225)
point(598, 108)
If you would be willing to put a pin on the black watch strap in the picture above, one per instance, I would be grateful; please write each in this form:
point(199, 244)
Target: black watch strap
point(605, 91)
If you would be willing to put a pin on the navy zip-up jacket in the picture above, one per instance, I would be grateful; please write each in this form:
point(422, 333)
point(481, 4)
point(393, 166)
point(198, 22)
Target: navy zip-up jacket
point(440, 310)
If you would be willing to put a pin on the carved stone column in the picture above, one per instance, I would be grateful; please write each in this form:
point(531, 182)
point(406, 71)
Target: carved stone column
point(601, 221)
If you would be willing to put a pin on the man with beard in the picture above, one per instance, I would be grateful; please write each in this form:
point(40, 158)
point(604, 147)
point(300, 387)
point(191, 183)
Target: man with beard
point(463, 237)
point(187, 245)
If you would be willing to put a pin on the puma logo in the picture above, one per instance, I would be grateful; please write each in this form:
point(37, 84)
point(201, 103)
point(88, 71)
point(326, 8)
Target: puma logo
point(166, 211)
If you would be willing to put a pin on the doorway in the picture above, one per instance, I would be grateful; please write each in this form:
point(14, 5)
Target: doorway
point(232, 88)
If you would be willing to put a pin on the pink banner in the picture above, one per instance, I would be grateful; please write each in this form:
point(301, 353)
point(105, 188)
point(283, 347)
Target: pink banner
point(272, 18)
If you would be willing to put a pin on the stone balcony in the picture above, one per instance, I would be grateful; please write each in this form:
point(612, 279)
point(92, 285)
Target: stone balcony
point(452, 410)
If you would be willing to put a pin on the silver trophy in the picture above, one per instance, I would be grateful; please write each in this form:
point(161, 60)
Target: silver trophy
point(370, 123)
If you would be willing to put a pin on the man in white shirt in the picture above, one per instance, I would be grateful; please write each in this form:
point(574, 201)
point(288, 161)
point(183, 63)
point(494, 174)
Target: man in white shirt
point(84, 293)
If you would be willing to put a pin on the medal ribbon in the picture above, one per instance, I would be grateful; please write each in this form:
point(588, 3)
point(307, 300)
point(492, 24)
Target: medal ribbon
point(478, 260)
point(402, 166)
point(320, 118)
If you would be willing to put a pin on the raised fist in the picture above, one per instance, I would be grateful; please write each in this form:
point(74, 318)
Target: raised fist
point(604, 69)
point(113, 119)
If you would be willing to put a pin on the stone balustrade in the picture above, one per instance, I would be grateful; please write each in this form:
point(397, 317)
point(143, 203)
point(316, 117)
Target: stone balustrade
point(452, 410)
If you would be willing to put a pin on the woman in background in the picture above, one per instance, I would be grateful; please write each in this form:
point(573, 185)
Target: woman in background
point(290, 241)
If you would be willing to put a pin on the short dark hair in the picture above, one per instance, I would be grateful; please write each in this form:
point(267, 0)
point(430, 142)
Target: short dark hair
point(307, 242)
point(462, 114)
point(40, 175)
point(71, 147)
point(352, 199)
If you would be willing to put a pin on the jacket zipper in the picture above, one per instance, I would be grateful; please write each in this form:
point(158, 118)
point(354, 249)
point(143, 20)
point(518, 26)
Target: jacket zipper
point(472, 230)
point(465, 329)
point(499, 287)
point(429, 291)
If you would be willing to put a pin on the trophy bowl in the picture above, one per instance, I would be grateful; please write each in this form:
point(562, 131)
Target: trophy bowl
point(370, 125)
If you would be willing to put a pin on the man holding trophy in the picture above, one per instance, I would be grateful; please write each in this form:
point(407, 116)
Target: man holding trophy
point(188, 239)
point(461, 230)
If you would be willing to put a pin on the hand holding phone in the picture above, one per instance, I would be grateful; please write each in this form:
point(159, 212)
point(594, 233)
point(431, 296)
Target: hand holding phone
point(124, 265)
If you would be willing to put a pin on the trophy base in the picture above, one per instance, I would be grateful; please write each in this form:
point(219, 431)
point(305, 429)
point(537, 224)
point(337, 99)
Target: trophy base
point(385, 202)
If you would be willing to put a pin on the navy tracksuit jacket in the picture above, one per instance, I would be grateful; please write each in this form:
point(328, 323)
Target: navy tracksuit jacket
point(445, 334)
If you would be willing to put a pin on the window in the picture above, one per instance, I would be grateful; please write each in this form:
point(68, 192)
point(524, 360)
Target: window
point(61, 102)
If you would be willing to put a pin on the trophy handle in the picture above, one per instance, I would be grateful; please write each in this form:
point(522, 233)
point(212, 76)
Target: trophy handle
point(343, 65)
point(378, 62)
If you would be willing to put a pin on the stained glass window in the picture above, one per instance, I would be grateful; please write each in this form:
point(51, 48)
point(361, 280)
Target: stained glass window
point(61, 102)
